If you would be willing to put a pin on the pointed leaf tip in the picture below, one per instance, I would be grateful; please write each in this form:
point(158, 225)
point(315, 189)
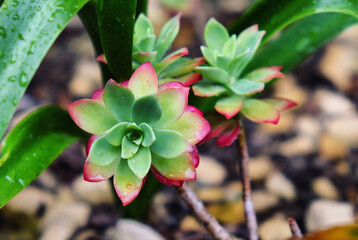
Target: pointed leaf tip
point(144, 81)
point(102, 58)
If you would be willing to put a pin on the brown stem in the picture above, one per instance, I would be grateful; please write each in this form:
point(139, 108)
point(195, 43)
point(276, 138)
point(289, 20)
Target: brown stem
point(200, 212)
point(245, 178)
point(295, 229)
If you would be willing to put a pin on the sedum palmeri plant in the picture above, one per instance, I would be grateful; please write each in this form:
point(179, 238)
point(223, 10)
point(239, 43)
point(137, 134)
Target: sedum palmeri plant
point(147, 47)
point(136, 126)
point(227, 57)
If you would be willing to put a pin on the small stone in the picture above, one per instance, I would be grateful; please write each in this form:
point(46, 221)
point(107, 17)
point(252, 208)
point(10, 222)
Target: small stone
point(332, 148)
point(323, 187)
point(63, 218)
point(259, 168)
point(132, 230)
point(95, 193)
point(86, 80)
point(326, 213)
point(283, 126)
point(233, 191)
point(29, 200)
point(47, 179)
point(344, 129)
point(333, 104)
point(287, 88)
point(234, 6)
point(263, 200)
point(275, 228)
point(279, 185)
point(343, 59)
point(211, 194)
point(308, 126)
point(231, 213)
point(189, 223)
point(210, 171)
point(299, 145)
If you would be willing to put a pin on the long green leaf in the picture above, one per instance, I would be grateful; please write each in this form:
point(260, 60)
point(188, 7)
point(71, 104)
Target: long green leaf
point(32, 145)
point(116, 22)
point(300, 40)
point(27, 30)
point(272, 16)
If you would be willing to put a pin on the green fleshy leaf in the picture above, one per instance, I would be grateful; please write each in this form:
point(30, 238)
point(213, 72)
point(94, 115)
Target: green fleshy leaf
point(146, 109)
point(103, 153)
point(128, 148)
point(236, 65)
point(215, 35)
point(143, 27)
point(119, 100)
point(140, 162)
point(143, 57)
point(92, 116)
point(223, 62)
point(178, 168)
point(229, 106)
point(259, 111)
point(167, 35)
point(114, 135)
point(215, 74)
point(149, 136)
point(208, 55)
point(169, 143)
point(229, 48)
point(127, 184)
point(147, 44)
point(97, 173)
point(170, 59)
point(181, 67)
point(264, 74)
point(244, 87)
point(207, 89)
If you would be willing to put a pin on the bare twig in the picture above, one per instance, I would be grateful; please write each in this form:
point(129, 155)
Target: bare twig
point(200, 212)
point(295, 229)
point(245, 178)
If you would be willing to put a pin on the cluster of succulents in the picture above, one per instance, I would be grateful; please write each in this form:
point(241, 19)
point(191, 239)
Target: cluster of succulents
point(227, 57)
point(138, 126)
point(147, 47)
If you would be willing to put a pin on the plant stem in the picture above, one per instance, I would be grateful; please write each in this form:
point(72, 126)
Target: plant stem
point(245, 178)
point(200, 212)
point(295, 229)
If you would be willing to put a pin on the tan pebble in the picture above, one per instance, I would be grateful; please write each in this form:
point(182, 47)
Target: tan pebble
point(86, 80)
point(308, 125)
point(287, 88)
point(263, 200)
point(332, 148)
point(323, 187)
point(284, 125)
point(299, 145)
point(278, 184)
point(275, 228)
point(232, 212)
point(210, 171)
point(344, 129)
point(259, 167)
point(233, 191)
point(211, 194)
point(189, 223)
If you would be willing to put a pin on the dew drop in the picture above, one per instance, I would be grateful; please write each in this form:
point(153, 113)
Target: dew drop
point(16, 16)
point(13, 58)
point(12, 78)
point(14, 101)
point(3, 32)
point(118, 19)
point(1, 53)
point(21, 37)
point(23, 80)
point(12, 28)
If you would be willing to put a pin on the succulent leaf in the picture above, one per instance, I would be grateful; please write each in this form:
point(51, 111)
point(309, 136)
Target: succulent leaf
point(118, 100)
point(92, 116)
point(245, 87)
point(260, 111)
point(129, 148)
point(115, 135)
point(140, 162)
point(280, 104)
point(215, 74)
point(167, 35)
point(207, 89)
point(143, 26)
point(144, 56)
point(144, 81)
point(169, 143)
point(265, 74)
point(126, 183)
point(97, 173)
point(229, 106)
point(215, 35)
point(146, 109)
point(149, 136)
point(102, 152)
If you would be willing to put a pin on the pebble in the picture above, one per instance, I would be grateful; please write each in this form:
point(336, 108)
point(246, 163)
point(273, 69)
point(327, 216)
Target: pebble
point(331, 148)
point(95, 193)
point(63, 219)
point(259, 168)
point(308, 126)
point(344, 129)
point(333, 104)
point(283, 126)
point(263, 200)
point(29, 200)
point(281, 186)
point(324, 188)
point(275, 228)
point(231, 212)
point(47, 179)
point(287, 88)
point(189, 223)
point(214, 194)
point(210, 171)
point(325, 213)
point(299, 145)
point(132, 230)
point(234, 6)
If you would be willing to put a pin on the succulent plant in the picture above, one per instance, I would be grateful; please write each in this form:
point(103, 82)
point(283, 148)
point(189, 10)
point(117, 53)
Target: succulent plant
point(136, 126)
point(148, 48)
point(227, 57)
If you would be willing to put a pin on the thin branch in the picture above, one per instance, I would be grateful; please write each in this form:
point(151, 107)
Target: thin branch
point(200, 212)
point(245, 178)
point(295, 229)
